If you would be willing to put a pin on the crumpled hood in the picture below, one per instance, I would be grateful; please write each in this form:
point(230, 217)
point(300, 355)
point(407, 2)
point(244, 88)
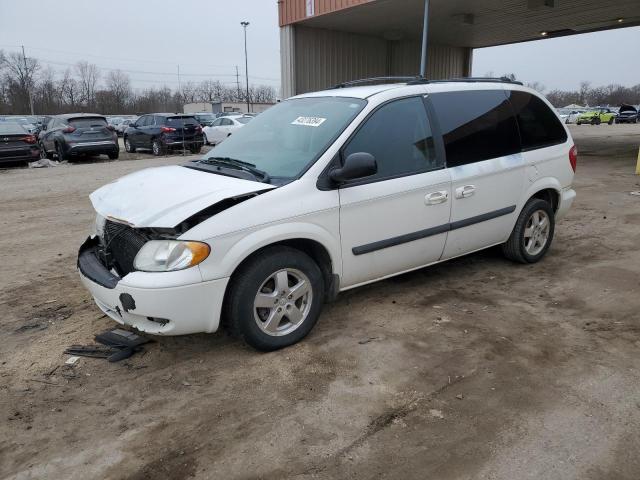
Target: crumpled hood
point(165, 196)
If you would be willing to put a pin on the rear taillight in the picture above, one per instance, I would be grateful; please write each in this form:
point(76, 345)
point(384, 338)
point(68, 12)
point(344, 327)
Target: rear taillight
point(69, 130)
point(111, 127)
point(29, 139)
point(199, 129)
point(573, 157)
point(167, 129)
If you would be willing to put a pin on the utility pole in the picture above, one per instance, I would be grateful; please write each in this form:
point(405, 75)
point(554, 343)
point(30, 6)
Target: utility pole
point(237, 83)
point(246, 62)
point(28, 81)
point(425, 31)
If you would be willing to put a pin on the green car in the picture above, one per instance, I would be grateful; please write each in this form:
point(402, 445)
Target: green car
point(597, 116)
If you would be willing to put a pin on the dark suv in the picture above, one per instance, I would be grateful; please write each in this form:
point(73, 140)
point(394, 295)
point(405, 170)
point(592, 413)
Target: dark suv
point(78, 134)
point(162, 132)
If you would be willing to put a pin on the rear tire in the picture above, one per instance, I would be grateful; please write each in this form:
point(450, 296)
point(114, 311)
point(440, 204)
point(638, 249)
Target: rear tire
point(610, 122)
point(292, 281)
point(195, 150)
point(114, 156)
point(60, 152)
point(533, 233)
point(157, 148)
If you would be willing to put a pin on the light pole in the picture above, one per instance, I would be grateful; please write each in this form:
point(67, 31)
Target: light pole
point(246, 62)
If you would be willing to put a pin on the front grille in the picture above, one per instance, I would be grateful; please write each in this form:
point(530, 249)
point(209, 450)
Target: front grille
point(121, 244)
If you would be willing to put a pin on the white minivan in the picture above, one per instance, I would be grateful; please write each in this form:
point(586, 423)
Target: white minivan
point(325, 192)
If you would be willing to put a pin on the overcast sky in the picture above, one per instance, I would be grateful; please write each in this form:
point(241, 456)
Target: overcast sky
point(149, 38)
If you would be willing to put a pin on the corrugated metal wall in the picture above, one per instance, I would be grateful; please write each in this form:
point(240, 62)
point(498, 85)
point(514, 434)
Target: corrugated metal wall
point(322, 58)
point(443, 61)
point(291, 11)
point(326, 57)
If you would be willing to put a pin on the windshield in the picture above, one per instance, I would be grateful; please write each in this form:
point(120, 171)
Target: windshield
point(291, 135)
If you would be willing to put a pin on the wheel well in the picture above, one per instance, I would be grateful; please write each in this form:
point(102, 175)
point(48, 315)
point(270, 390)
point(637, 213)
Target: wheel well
point(318, 254)
point(550, 196)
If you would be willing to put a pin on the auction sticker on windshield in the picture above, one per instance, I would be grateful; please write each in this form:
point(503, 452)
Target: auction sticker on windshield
point(309, 121)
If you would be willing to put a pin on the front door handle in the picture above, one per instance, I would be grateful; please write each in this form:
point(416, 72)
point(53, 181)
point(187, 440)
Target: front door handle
point(466, 191)
point(436, 198)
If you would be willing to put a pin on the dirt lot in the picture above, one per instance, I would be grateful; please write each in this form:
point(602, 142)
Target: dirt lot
point(474, 369)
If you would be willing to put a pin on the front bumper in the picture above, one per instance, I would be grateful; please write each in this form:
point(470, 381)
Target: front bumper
point(168, 310)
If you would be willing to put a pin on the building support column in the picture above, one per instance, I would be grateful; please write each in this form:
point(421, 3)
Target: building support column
point(287, 61)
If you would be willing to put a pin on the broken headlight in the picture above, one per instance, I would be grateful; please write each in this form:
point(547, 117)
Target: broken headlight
point(170, 255)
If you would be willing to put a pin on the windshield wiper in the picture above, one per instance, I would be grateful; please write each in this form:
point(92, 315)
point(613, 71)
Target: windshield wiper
point(239, 164)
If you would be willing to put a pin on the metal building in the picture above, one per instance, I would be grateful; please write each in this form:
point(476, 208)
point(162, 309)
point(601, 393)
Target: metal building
point(324, 42)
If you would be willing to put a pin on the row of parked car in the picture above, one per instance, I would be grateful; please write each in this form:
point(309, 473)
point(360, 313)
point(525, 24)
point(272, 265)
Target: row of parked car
point(24, 139)
point(598, 115)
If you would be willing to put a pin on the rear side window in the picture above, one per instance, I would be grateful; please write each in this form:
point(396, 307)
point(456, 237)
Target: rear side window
point(399, 136)
point(539, 126)
point(476, 125)
point(181, 121)
point(88, 122)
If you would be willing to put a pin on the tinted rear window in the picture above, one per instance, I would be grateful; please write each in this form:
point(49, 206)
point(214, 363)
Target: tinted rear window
point(476, 125)
point(11, 129)
point(88, 122)
point(539, 126)
point(181, 121)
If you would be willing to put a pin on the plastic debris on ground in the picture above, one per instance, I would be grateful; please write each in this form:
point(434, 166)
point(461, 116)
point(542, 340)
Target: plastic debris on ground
point(45, 162)
point(115, 345)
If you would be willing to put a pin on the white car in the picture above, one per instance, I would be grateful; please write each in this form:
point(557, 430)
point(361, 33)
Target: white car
point(325, 192)
point(224, 127)
point(568, 115)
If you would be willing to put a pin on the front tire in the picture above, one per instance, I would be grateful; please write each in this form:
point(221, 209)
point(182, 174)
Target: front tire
point(128, 146)
point(275, 299)
point(610, 122)
point(533, 233)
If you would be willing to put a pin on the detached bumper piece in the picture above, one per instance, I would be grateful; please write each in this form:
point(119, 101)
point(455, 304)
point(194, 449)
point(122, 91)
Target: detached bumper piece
point(117, 344)
point(91, 267)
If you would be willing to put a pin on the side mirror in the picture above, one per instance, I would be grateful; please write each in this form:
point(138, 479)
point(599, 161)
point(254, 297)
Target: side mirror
point(356, 165)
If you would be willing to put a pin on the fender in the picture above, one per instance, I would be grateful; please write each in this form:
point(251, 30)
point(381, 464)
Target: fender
point(240, 248)
point(544, 183)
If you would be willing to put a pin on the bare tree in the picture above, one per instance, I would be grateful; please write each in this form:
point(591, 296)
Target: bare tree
point(69, 90)
point(19, 75)
point(88, 78)
point(537, 86)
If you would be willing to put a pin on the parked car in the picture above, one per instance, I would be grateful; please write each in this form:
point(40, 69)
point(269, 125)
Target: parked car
point(122, 126)
point(597, 116)
point(205, 119)
point(17, 144)
point(568, 115)
point(162, 132)
point(76, 134)
point(325, 192)
point(628, 114)
point(224, 127)
point(27, 123)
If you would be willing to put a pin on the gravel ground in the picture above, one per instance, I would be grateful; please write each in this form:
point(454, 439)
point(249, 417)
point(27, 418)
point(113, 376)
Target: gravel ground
point(474, 369)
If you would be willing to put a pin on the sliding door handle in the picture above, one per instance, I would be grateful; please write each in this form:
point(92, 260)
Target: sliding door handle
point(466, 191)
point(436, 198)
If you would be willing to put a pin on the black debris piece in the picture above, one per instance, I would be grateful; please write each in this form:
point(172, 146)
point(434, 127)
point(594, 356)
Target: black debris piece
point(116, 345)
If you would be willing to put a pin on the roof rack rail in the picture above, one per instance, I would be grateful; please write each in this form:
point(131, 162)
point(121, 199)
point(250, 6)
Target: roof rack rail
point(467, 79)
point(417, 80)
point(361, 81)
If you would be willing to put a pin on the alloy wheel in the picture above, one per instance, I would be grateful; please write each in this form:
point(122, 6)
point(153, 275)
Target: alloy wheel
point(283, 302)
point(536, 233)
